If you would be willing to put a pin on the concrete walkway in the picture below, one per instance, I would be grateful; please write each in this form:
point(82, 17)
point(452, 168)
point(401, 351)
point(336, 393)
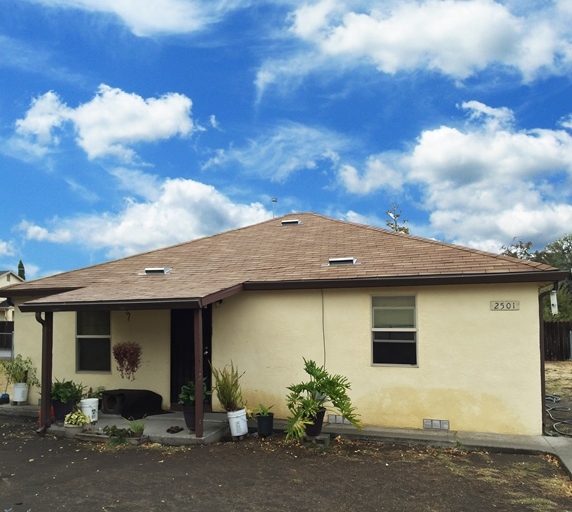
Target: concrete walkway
point(216, 426)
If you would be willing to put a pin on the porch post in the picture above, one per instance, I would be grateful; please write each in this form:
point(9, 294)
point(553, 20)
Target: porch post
point(199, 396)
point(47, 361)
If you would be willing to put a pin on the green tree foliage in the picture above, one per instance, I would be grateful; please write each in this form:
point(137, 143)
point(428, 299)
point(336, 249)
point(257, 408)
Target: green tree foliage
point(518, 249)
point(21, 270)
point(394, 223)
point(556, 254)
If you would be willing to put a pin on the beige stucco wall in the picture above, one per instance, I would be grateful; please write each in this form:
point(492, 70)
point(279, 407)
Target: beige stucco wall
point(477, 368)
point(149, 328)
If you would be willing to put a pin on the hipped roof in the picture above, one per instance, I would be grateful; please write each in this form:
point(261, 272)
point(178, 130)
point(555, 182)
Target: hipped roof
point(271, 255)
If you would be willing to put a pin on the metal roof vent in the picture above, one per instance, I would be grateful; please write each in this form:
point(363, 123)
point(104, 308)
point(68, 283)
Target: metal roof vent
point(151, 271)
point(341, 261)
point(291, 222)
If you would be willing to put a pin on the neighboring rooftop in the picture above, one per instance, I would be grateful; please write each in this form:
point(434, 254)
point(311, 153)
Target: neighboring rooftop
point(277, 255)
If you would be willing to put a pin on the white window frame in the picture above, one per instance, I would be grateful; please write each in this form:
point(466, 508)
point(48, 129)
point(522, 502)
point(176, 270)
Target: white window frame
point(412, 330)
point(79, 337)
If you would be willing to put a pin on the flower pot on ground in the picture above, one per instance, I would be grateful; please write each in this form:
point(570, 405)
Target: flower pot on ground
point(308, 402)
point(66, 394)
point(229, 394)
point(74, 423)
point(136, 427)
point(264, 420)
point(187, 398)
point(21, 373)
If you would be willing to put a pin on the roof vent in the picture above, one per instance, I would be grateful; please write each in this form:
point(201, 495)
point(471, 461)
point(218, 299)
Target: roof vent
point(157, 270)
point(341, 261)
point(291, 222)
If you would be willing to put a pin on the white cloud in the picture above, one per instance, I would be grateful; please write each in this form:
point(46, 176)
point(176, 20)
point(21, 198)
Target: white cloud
point(457, 38)
point(108, 125)
point(485, 182)
point(379, 173)
point(6, 248)
point(184, 210)
point(289, 148)
point(150, 17)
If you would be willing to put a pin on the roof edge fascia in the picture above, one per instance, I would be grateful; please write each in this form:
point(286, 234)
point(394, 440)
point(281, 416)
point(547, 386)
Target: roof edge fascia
point(548, 276)
point(112, 305)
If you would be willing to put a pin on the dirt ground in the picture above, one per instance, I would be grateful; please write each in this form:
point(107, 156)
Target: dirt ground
point(47, 474)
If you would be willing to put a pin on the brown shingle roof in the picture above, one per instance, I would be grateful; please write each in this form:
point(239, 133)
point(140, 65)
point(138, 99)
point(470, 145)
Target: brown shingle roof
point(270, 255)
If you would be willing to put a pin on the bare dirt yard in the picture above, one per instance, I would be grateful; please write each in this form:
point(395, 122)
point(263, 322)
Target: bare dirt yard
point(47, 474)
point(559, 385)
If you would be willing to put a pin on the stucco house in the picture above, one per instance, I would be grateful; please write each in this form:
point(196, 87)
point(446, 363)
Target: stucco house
point(423, 330)
point(7, 278)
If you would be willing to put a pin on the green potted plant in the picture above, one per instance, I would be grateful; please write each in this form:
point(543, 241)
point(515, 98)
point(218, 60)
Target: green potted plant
point(21, 373)
point(74, 423)
point(264, 419)
point(187, 398)
point(91, 403)
point(136, 427)
point(308, 402)
point(229, 394)
point(66, 394)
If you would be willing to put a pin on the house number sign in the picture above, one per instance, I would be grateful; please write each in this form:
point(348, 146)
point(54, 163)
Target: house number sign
point(505, 305)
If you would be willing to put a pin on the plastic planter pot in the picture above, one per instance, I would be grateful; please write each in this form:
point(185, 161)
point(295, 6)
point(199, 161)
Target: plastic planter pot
point(238, 423)
point(265, 424)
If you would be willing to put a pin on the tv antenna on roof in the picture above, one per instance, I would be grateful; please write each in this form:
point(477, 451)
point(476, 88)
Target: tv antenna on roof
point(274, 201)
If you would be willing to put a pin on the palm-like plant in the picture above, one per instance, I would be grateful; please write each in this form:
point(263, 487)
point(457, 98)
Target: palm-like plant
point(322, 392)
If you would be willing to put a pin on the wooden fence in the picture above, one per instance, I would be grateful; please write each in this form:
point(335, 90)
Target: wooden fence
point(557, 341)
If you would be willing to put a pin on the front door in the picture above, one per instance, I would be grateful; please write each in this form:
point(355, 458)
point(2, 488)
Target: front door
point(183, 351)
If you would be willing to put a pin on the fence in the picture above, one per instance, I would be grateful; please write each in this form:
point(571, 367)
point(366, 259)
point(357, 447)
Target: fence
point(557, 341)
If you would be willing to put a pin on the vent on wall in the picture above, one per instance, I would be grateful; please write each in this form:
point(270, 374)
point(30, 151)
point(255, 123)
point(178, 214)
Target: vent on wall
point(157, 270)
point(291, 222)
point(341, 261)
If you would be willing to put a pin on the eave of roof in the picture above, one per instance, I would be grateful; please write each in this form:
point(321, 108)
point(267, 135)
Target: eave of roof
point(271, 256)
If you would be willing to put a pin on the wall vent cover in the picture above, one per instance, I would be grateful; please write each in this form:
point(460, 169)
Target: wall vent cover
point(291, 222)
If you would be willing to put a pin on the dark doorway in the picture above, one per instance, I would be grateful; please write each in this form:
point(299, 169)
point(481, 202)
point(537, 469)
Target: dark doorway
point(183, 351)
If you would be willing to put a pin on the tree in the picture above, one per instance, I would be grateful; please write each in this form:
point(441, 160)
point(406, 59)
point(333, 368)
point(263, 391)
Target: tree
point(520, 249)
point(557, 253)
point(393, 224)
point(21, 270)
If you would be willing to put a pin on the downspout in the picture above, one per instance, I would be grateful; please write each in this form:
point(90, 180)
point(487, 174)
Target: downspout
point(542, 357)
point(47, 360)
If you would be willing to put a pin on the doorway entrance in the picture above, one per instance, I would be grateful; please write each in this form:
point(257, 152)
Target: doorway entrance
point(183, 352)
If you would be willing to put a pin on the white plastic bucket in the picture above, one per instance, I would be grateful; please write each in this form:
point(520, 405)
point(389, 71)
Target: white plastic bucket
point(20, 392)
point(89, 407)
point(238, 423)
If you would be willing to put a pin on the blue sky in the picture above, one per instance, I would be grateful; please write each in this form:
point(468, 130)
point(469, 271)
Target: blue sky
point(130, 125)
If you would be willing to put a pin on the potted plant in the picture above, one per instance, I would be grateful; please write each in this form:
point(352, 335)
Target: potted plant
point(229, 394)
point(265, 420)
point(187, 400)
point(91, 403)
point(136, 427)
point(308, 402)
point(74, 423)
point(127, 355)
point(21, 373)
point(65, 394)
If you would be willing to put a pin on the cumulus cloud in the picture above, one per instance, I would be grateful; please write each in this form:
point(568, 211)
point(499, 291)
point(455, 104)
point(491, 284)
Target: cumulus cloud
point(108, 125)
point(484, 182)
point(457, 38)
point(183, 210)
point(379, 173)
point(288, 148)
point(6, 248)
point(149, 17)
